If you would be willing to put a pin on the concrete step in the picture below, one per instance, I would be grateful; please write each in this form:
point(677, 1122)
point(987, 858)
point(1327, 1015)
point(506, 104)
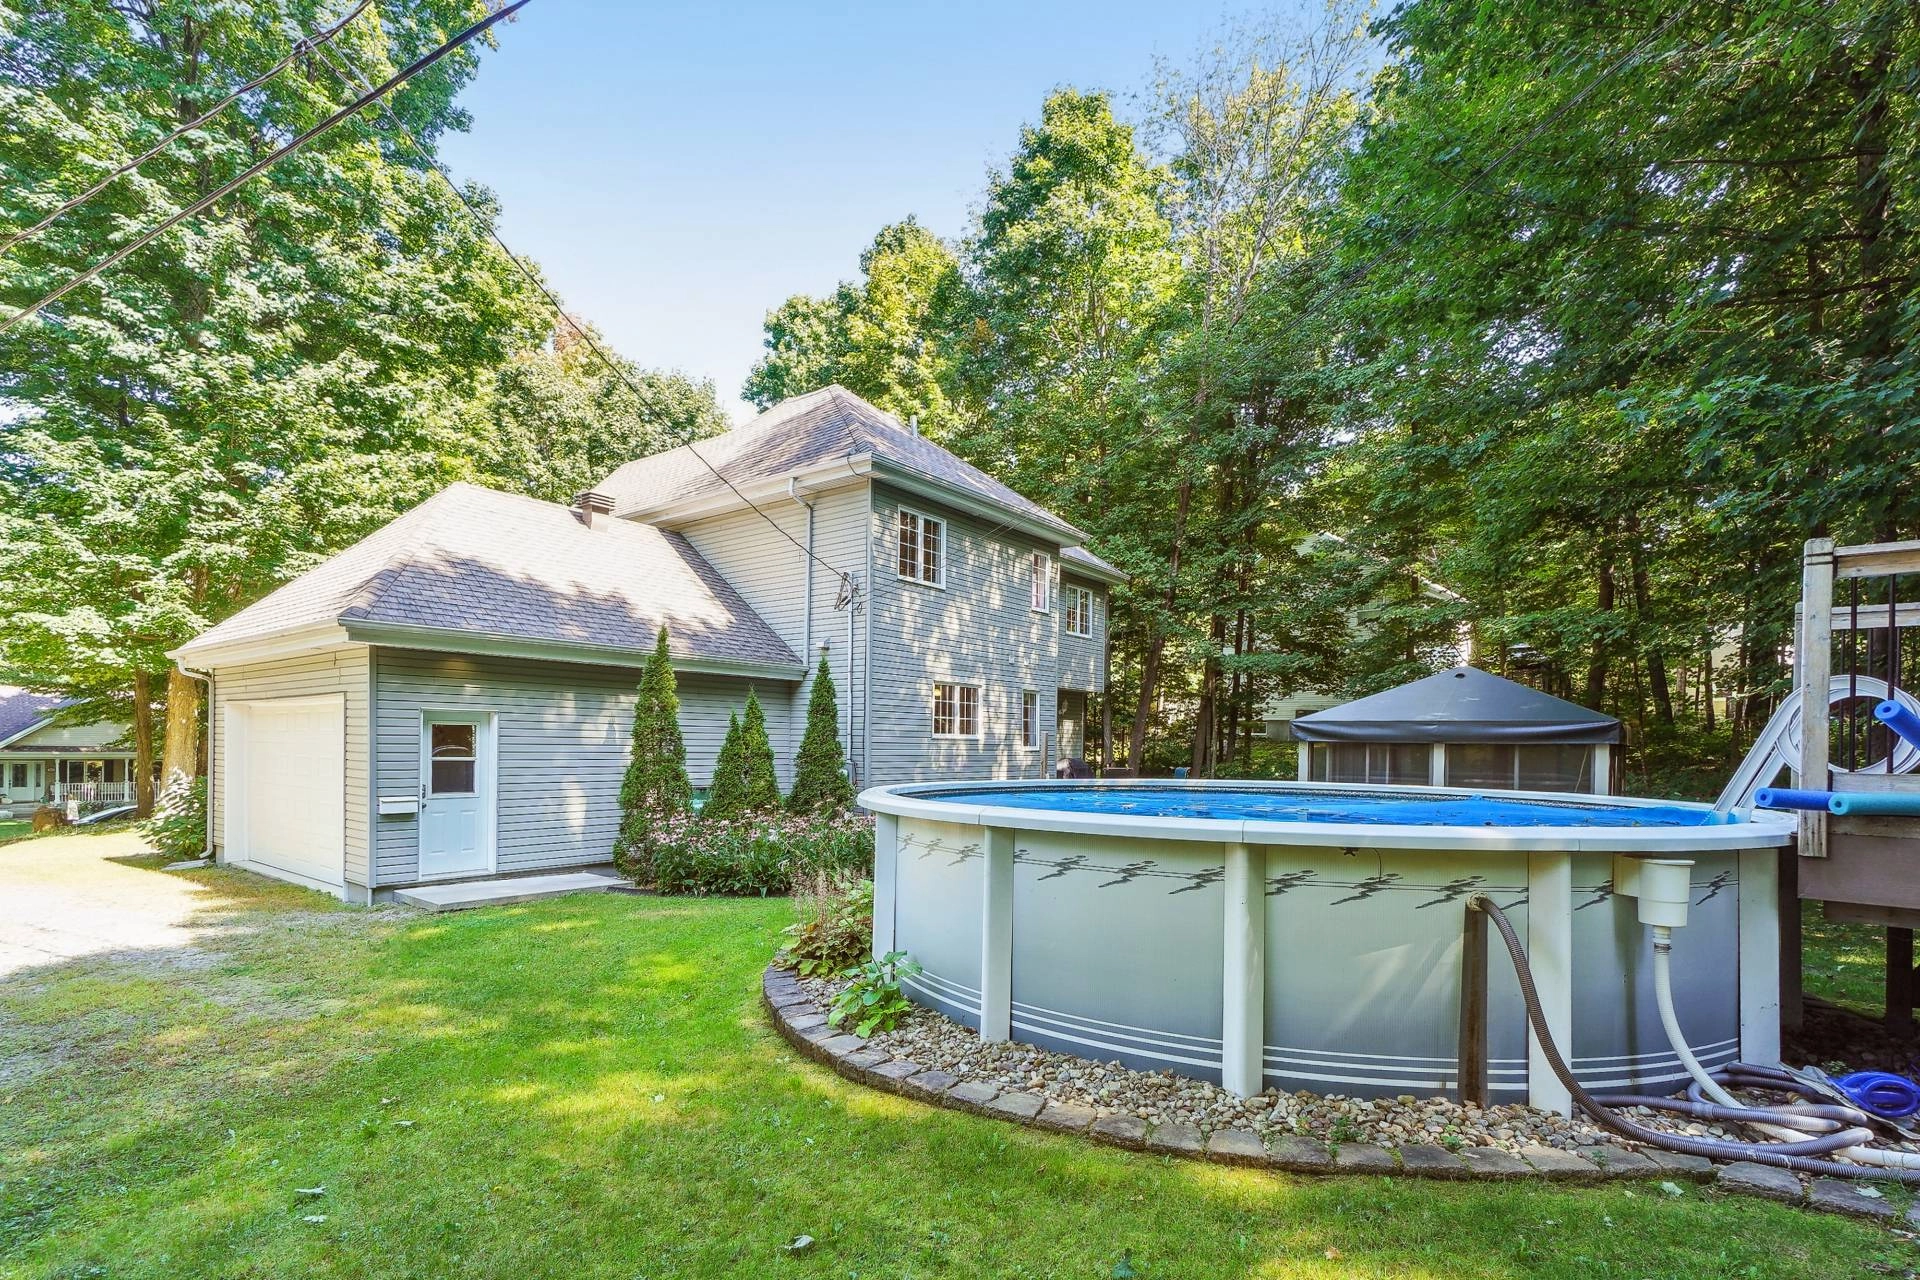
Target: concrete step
point(490, 893)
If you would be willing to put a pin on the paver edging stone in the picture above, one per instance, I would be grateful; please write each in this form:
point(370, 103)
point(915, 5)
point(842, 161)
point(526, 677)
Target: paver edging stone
point(849, 1056)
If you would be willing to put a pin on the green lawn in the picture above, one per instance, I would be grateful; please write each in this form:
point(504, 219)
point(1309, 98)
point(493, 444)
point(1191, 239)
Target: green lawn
point(1843, 963)
point(9, 829)
point(586, 1087)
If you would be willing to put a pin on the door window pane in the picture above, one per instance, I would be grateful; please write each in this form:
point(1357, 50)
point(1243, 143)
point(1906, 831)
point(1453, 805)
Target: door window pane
point(453, 741)
point(453, 777)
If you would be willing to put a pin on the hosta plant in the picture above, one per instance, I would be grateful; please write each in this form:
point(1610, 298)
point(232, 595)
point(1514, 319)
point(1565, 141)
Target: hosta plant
point(872, 1001)
point(837, 932)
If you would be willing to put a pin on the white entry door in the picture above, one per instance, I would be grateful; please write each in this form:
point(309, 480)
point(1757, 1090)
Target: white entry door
point(456, 793)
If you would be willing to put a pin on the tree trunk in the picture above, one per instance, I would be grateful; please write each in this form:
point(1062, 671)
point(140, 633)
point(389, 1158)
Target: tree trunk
point(1151, 658)
point(1597, 666)
point(1657, 683)
point(180, 748)
point(142, 744)
point(1706, 685)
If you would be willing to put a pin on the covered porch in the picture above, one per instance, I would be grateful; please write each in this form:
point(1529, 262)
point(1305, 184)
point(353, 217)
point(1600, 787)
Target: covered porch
point(94, 779)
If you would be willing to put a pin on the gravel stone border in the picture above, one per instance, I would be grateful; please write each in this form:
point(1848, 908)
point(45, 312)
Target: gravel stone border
point(799, 1017)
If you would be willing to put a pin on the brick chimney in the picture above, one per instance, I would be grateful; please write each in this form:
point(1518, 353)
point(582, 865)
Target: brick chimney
point(595, 509)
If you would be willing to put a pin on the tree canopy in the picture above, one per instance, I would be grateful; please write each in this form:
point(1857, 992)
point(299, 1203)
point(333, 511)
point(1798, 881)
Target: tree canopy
point(270, 380)
point(1548, 332)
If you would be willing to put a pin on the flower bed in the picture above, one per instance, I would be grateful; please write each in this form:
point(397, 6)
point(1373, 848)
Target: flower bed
point(759, 855)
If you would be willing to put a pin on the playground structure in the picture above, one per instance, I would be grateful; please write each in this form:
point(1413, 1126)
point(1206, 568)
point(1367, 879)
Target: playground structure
point(1859, 852)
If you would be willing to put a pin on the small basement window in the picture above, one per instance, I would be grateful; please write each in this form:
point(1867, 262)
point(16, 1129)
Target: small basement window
point(1029, 718)
point(956, 711)
point(922, 548)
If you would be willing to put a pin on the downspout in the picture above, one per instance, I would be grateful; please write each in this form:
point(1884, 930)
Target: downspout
point(806, 614)
point(206, 678)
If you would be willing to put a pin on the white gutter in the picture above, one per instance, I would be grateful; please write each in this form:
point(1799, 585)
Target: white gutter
point(486, 644)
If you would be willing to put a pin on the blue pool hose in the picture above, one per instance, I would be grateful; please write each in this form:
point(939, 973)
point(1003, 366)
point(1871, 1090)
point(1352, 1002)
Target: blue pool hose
point(1788, 798)
point(1897, 717)
point(1893, 804)
point(1886, 1095)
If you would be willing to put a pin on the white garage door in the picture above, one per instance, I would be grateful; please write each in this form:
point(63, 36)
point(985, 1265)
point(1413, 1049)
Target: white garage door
point(290, 789)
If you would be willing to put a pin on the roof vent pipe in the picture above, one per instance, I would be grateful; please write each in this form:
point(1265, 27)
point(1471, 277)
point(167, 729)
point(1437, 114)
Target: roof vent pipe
point(913, 423)
point(595, 508)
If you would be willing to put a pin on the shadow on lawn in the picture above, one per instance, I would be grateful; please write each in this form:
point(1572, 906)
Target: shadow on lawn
point(587, 1086)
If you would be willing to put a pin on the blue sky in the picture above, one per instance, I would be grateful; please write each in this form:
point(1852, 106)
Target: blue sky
point(679, 169)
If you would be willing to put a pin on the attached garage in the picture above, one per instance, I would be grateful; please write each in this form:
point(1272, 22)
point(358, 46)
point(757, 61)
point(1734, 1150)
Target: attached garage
point(286, 788)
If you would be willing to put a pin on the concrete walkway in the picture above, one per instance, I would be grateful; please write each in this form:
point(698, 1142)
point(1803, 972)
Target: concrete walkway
point(62, 897)
point(490, 893)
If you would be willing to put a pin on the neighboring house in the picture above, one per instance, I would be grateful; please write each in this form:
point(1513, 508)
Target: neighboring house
point(46, 761)
point(452, 697)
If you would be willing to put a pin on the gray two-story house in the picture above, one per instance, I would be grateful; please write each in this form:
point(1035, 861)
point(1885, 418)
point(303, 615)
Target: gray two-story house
point(452, 697)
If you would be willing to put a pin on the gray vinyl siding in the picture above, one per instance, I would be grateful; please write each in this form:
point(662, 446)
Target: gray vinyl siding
point(562, 742)
point(979, 629)
point(1082, 658)
point(344, 671)
point(769, 571)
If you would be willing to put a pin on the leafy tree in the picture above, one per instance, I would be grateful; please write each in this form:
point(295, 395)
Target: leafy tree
point(761, 792)
point(276, 377)
point(1608, 386)
point(806, 341)
point(556, 420)
point(879, 338)
point(655, 786)
point(820, 783)
point(262, 385)
point(727, 793)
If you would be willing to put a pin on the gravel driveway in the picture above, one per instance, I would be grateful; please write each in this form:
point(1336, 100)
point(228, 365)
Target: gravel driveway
point(65, 896)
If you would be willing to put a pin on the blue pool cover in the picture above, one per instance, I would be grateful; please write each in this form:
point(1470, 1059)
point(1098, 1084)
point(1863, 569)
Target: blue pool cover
point(1396, 808)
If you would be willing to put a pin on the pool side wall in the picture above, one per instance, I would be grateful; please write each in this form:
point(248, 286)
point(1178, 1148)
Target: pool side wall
point(1117, 953)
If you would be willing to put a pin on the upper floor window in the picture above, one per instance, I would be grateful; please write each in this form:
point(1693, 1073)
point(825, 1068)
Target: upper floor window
point(1029, 718)
point(1039, 582)
point(956, 711)
point(1079, 604)
point(923, 548)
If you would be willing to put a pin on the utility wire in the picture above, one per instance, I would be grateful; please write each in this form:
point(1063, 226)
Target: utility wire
point(398, 78)
point(307, 43)
point(352, 78)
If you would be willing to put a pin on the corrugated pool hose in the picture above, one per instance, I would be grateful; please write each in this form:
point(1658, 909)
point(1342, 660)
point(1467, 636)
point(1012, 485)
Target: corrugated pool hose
point(1807, 1129)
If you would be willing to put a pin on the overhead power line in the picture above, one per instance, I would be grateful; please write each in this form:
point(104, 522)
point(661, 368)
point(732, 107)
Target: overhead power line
point(352, 78)
point(267, 162)
point(308, 43)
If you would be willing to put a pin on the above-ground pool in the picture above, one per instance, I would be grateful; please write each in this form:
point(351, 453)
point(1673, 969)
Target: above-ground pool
point(1310, 936)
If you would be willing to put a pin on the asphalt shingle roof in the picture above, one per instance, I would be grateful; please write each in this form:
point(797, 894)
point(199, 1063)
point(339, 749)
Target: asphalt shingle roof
point(803, 432)
point(476, 561)
point(20, 710)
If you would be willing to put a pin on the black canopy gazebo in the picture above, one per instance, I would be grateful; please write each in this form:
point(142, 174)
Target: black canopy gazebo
point(1462, 727)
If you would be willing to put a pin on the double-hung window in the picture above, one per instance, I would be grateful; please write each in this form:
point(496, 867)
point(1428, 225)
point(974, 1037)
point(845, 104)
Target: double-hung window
point(956, 711)
point(1079, 604)
point(1039, 582)
point(922, 551)
point(1029, 718)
